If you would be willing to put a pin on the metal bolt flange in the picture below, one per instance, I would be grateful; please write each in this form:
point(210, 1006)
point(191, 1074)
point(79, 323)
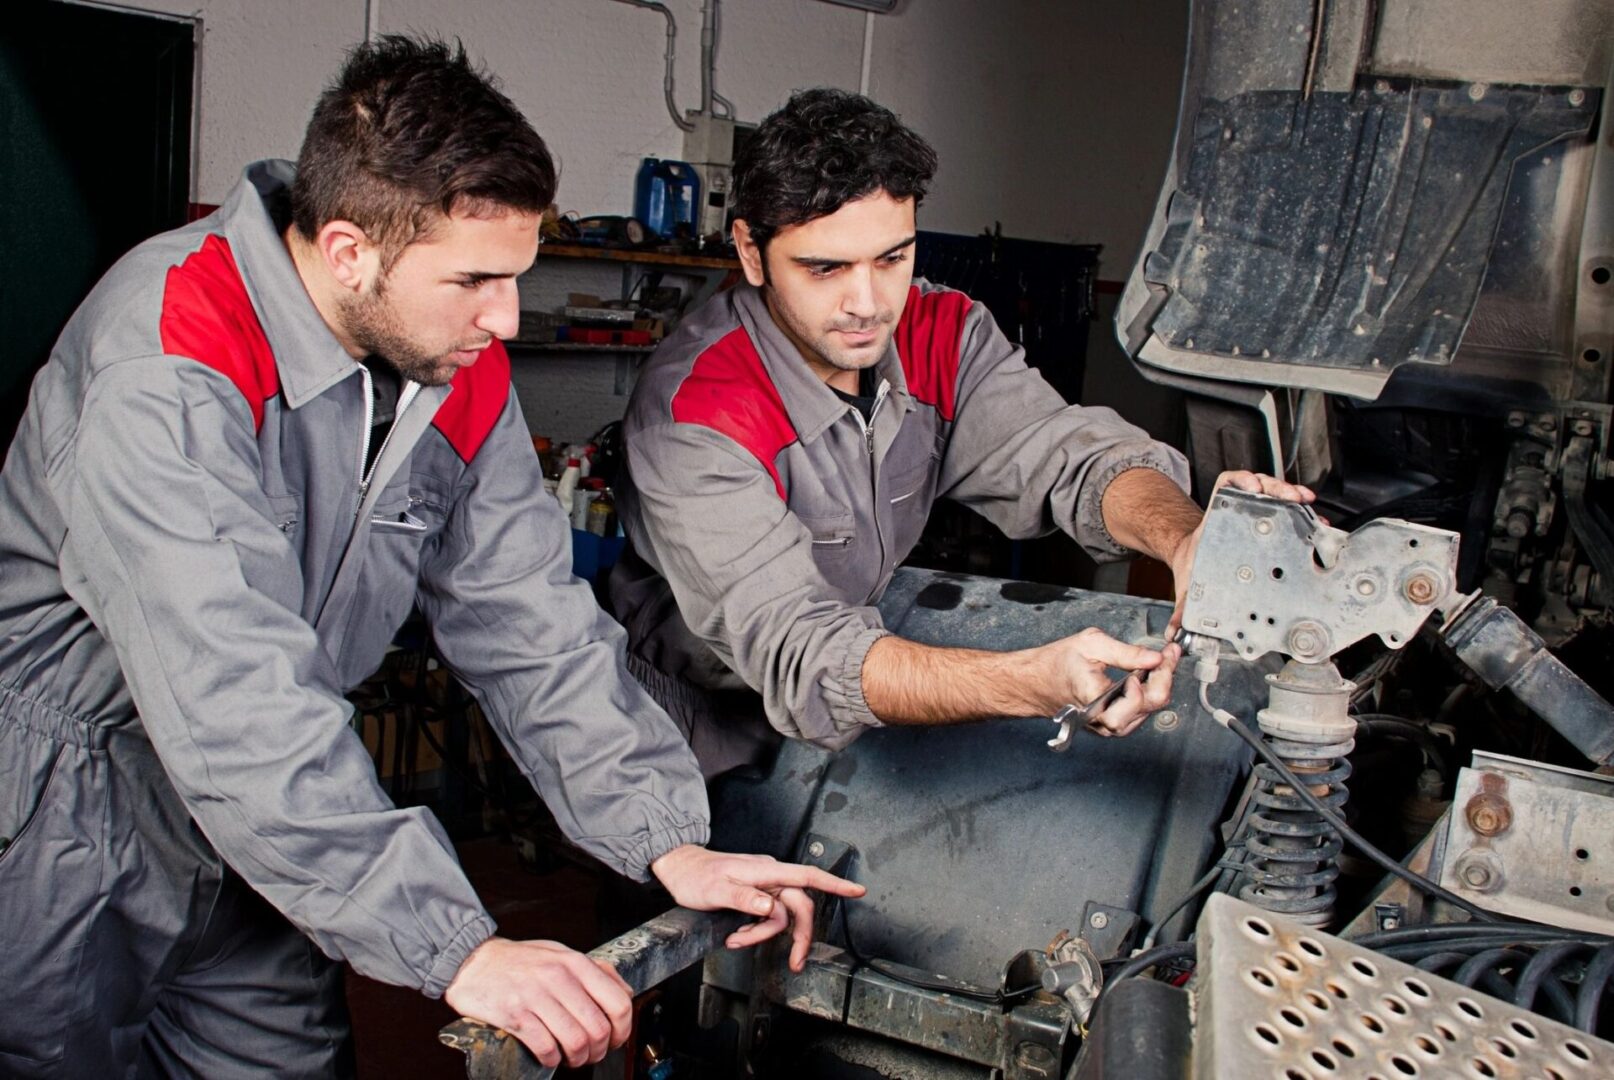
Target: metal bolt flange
point(1422, 588)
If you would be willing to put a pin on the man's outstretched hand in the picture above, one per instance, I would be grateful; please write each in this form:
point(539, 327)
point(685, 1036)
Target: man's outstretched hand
point(771, 891)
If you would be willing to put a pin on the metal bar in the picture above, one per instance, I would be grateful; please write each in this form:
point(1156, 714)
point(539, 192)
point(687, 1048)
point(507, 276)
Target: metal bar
point(645, 956)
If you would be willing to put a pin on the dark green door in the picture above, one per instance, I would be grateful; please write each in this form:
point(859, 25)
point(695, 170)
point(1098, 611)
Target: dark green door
point(95, 152)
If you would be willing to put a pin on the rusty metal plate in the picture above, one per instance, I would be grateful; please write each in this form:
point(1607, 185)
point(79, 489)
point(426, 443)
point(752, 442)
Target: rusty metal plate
point(1533, 841)
point(1277, 999)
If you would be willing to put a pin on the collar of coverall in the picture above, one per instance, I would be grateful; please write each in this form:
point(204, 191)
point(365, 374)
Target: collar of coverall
point(809, 401)
point(307, 355)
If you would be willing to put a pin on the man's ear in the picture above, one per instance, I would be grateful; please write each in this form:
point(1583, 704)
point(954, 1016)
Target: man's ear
point(750, 254)
point(348, 253)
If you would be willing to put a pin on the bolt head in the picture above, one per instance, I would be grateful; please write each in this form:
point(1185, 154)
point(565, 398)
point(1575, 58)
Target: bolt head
point(1477, 876)
point(1489, 814)
point(815, 849)
point(1421, 588)
point(1264, 526)
point(1166, 720)
point(1098, 920)
point(1577, 97)
point(1246, 574)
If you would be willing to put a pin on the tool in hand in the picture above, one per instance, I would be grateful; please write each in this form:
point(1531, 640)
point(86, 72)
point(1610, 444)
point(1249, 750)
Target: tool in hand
point(1086, 716)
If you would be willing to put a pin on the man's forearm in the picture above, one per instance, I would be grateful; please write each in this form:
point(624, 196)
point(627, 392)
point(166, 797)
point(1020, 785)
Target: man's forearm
point(1146, 511)
point(908, 683)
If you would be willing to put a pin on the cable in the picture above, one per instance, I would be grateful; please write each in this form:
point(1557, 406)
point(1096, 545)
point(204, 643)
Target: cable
point(1154, 957)
point(1258, 744)
point(1435, 963)
point(1194, 890)
point(1590, 998)
point(1487, 960)
point(1541, 965)
point(1504, 930)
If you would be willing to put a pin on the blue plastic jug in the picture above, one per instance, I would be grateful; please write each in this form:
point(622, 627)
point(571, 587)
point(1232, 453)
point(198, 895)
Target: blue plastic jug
point(666, 197)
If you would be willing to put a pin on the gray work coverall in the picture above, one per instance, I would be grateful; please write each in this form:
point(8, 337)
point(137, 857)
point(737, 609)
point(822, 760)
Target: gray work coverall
point(193, 572)
point(765, 517)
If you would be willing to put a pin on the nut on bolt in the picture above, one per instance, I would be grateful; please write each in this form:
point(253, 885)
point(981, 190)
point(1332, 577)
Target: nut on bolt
point(1480, 870)
point(1307, 639)
point(1489, 814)
point(1422, 588)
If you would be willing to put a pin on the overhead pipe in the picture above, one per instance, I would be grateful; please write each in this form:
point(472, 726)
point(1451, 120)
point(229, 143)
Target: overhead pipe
point(672, 52)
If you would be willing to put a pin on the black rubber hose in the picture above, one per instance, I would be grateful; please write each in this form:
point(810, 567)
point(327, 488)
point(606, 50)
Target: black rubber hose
point(1435, 963)
point(1488, 960)
point(1544, 963)
point(1590, 999)
point(1469, 947)
point(1416, 880)
point(1453, 931)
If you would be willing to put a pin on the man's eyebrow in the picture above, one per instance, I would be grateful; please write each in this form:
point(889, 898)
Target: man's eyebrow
point(814, 260)
point(479, 276)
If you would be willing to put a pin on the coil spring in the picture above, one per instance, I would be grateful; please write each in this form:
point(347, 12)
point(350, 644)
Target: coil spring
point(1294, 853)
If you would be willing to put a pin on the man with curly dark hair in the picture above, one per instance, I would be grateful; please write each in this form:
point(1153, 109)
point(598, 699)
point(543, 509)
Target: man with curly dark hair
point(785, 446)
point(259, 442)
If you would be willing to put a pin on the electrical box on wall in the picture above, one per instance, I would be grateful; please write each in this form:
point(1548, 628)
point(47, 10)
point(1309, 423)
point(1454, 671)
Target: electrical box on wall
point(711, 147)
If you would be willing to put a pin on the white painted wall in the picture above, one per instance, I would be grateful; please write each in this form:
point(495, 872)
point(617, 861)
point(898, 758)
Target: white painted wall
point(1051, 116)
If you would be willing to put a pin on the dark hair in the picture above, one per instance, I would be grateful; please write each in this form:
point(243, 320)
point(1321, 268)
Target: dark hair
point(822, 150)
point(408, 133)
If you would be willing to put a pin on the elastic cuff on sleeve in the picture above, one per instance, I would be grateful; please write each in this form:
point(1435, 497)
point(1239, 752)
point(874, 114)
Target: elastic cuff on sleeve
point(1169, 464)
point(852, 678)
point(658, 843)
point(448, 962)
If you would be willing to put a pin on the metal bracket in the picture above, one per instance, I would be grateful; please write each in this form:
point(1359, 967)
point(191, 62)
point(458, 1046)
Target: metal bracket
point(1269, 576)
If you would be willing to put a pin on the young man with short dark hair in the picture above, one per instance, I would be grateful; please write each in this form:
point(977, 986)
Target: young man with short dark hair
point(785, 446)
point(259, 442)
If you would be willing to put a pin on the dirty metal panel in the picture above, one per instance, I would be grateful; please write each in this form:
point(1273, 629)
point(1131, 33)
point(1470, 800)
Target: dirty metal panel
point(1275, 998)
point(1534, 843)
point(976, 841)
point(1270, 577)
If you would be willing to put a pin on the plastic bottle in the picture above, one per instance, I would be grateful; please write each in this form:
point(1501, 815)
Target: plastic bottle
point(587, 492)
point(568, 484)
point(602, 514)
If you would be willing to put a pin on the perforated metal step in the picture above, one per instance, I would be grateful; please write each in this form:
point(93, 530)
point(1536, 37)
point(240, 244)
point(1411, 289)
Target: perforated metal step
point(1277, 999)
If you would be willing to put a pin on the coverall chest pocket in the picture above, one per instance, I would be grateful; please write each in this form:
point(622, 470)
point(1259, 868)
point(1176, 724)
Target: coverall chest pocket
point(910, 489)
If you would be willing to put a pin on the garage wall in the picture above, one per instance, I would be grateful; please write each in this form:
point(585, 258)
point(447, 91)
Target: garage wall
point(1051, 116)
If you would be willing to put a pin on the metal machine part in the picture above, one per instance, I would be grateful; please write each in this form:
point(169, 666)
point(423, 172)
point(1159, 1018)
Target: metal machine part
point(1507, 654)
point(645, 956)
point(1293, 852)
point(1274, 997)
point(1532, 840)
point(1268, 577)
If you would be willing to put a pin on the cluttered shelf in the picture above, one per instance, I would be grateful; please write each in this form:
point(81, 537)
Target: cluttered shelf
point(637, 255)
